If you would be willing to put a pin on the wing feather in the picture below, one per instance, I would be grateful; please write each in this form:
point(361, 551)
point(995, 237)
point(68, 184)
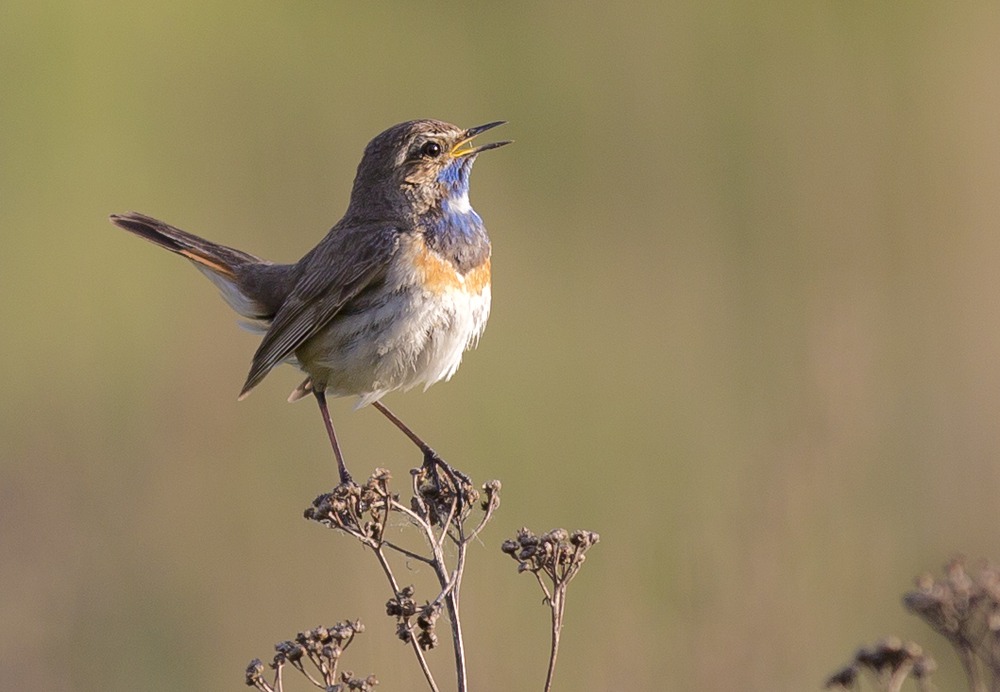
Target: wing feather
point(338, 269)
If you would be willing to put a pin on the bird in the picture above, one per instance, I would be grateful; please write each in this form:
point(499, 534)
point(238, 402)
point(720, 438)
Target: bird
point(389, 299)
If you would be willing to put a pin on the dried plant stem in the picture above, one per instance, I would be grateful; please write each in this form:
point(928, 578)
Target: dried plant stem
point(387, 568)
point(376, 547)
point(972, 672)
point(451, 603)
point(558, 604)
point(450, 585)
point(450, 582)
point(554, 558)
point(451, 588)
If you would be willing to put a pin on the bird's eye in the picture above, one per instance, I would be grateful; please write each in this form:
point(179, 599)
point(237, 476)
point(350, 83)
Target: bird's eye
point(431, 150)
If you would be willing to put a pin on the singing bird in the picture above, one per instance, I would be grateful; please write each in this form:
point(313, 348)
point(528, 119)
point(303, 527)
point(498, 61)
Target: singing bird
point(389, 299)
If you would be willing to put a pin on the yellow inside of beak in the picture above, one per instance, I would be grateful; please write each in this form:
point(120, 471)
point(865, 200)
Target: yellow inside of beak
point(457, 151)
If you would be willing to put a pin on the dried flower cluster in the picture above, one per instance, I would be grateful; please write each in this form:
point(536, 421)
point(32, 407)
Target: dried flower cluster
point(442, 502)
point(965, 609)
point(557, 556)
point(889, 662)
point(442, 497)
point(358, 510)
point(315, 654)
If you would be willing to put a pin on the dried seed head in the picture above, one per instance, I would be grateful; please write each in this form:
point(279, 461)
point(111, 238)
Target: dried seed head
point(556, 536)
point(427, 639)
point(524, 535)
point(403, 632)
point(323, 646)
point(255, 672)
point(889, 658)
point(843, 678)
point(584, 539)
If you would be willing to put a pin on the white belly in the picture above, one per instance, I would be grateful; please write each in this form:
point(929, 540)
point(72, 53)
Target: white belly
point(417, 337)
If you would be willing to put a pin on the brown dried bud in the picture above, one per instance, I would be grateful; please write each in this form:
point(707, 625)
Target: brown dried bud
point(255, 672)
point(845, 678)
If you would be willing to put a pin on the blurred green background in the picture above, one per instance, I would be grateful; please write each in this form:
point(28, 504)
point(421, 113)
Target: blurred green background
point(746, 326)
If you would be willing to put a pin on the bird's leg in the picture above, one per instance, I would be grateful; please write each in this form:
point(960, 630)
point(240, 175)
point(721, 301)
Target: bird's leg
point(431, 458)
point(345, 477)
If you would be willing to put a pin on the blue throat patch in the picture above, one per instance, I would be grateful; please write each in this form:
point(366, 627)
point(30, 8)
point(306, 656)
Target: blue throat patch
point(455, 230)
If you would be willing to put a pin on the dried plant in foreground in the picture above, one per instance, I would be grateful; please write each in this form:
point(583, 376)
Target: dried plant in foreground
point(448, 513)
point(964, 609)
point(315, 654)
point(554, 558)
point(889, 662)
point(442, 504)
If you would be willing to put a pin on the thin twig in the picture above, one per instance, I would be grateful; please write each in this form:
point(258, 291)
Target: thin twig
point(421, 659)
point(448, 586)
point(556, 605)
point(971, 667)
point(408, 553)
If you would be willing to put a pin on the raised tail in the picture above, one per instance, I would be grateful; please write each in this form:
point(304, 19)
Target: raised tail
point(217, 258)
point(242, 278)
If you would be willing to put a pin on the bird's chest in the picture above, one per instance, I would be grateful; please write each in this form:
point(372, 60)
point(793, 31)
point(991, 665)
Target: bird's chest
point(444, 298)
point(412, 328)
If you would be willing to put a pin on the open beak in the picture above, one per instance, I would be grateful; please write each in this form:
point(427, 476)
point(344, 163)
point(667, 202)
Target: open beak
point(464, 147)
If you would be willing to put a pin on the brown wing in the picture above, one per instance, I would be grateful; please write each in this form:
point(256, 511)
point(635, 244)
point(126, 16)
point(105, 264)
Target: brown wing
point(336, 270)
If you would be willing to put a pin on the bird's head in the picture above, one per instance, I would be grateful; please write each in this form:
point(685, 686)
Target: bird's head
point(418, 166)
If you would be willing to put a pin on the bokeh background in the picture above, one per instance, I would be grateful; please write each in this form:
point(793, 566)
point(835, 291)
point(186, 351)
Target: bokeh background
point(746, 325)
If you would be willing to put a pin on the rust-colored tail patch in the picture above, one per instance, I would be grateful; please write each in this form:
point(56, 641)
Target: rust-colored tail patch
point(208, 262)
point(220, 259)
